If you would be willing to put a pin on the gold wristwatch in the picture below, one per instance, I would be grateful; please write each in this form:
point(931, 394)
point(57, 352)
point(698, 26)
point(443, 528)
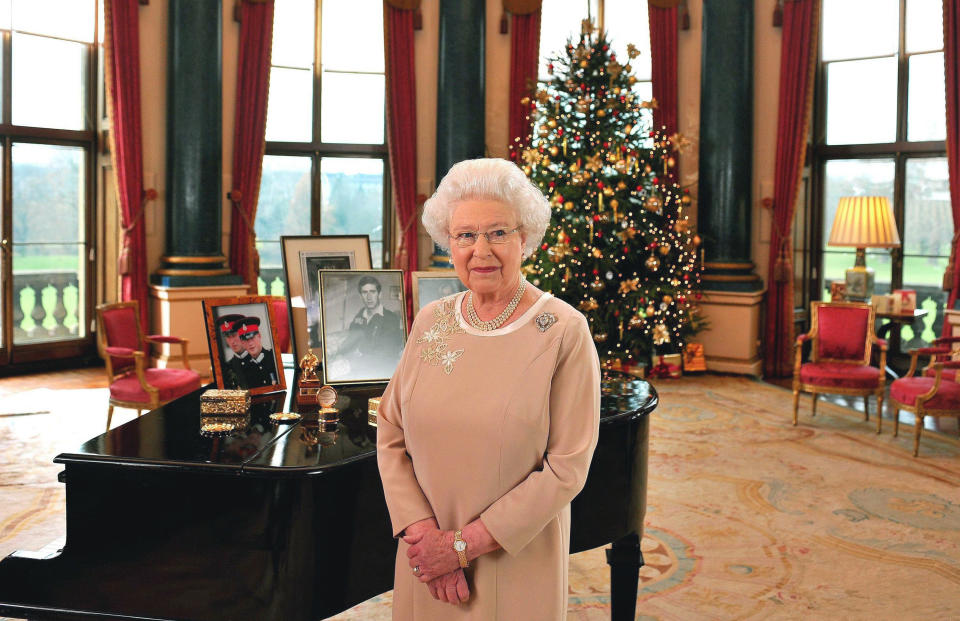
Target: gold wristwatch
point(460, 547)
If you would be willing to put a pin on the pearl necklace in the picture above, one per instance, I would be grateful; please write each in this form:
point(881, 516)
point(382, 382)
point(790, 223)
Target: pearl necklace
point(496, 322)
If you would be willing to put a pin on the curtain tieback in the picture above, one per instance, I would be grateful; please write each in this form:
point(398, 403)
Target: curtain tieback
point(123, 259)
point(783, 267)
point(236, 196)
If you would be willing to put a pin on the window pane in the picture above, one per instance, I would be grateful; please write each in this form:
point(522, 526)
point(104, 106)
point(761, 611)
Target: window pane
point(352, 108)
point(65, 19)
point(289, 105)
point(48, 82)
point(860, 28)
point(862, 101)
point(628, 22)
point(293, 30)
point(351, 44)
point(48, 242)
point(926, 104)
point(855, 178)
point(560, 21)
point(352, 200)
point(924, 25)
point(928, 220)
point(283, 209)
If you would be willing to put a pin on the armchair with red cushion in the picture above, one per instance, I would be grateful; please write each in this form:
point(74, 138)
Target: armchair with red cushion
point(935, 393)
point(133, 385)
point(842, 341)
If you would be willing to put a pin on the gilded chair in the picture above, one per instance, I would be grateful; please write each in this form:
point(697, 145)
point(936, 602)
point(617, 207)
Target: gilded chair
point(941, 351)
point(133, 385)
point(936, 394)
point(842, 341)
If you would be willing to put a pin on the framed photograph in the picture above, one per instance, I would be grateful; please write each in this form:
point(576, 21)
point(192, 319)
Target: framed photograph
point(242, 337)
point(303, 258)
point(433, 285)
point(363, 324)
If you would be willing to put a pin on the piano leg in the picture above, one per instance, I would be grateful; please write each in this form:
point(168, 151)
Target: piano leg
point(625, 560)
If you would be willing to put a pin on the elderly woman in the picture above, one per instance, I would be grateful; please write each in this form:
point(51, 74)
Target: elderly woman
point(486, 431)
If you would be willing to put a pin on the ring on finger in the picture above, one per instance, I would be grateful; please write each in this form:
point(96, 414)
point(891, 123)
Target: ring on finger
point(416, 570)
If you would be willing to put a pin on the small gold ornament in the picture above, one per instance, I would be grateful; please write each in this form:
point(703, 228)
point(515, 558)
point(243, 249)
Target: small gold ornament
point(577, 179)
point(608, 191)
point(544, 131)
point(696, 240)
point(554, 151)
point(628, 67)
point(632, 51)
point(632, 80)
point(627, 286)
point(614, 203)
point(597, 254)
point(568, 205)
point(647, 169)
point(601, 113)
point(555, 253)
point(525, 101)
point(527, 171)
point(616, 91)
point(667, 299)
point(664, 249)
point(552, 123)
point(583, 104)
point(681, 226)
point(653, 203)
point(652, 263)
point(651, 311)
point(635, 322)
point(597, 285)
point(686, 200)
point(600, 337)
point(574, 167)
point(671, 162)
point(660, 334)
point(628, 128)
point(308, 366)
point(621, 166)
point(627, 233)
point(532, 156)
point(621, 185)
point(589, 305)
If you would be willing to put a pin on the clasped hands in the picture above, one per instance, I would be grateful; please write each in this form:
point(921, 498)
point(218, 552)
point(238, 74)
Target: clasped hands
point(431, 549)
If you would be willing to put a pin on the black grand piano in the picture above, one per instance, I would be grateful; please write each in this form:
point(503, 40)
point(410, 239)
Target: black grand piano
point(275, 522)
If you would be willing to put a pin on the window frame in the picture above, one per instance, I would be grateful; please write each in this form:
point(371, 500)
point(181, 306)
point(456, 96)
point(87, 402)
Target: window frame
point(14, 355)
point(316, 150)
point(900, 150)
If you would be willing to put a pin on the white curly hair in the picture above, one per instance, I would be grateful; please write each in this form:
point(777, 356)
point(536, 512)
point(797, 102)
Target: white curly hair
point(487, 179)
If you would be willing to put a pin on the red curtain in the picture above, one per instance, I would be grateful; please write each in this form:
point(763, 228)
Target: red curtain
point(663, 59)
point(122, 74)
point(524, 56)
point(951, 52)
point(402, 136)
point(250, 123)
point(797, 57)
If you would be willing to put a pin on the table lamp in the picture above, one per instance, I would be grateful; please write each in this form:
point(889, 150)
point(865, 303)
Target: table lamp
point(863, 222)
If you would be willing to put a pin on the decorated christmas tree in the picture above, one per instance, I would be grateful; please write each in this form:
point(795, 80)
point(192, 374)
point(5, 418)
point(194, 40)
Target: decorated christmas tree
point(619, 246)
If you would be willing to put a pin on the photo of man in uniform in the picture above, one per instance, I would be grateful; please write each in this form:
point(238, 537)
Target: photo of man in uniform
point(260, 368)
point(374, 338)
point(235, 355)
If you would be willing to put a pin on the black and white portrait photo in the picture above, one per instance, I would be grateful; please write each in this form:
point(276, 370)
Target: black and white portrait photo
point(430, 286)
point(242, 347)
point(310, 265)
point(363, 324)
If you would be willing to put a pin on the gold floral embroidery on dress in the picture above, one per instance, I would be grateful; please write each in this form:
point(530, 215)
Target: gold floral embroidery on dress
point(446, 325)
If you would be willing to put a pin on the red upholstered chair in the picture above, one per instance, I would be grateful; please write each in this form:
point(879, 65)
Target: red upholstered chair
point(937, 394)
point(842, 340)
point(121, 344)
point(941, 351)
point(282, 320)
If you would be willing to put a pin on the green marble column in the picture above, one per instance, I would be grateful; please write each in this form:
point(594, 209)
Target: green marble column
point(194, 256)
point(726, 145)
point(460, 90)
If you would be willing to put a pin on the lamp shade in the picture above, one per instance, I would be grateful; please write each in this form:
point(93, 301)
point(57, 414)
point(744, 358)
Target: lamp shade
point(864, 222)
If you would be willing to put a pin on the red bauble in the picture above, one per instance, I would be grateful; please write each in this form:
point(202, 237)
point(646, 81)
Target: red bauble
point(544, 247)
point(656, 180)
point(551, 184)
point(596, 218)
point(595, 271)
point(600, 184)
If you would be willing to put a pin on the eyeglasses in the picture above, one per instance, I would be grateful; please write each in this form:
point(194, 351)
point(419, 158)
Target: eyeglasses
point(496, 236)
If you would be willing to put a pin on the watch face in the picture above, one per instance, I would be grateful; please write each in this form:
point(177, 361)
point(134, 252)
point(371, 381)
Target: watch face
point(459, 546)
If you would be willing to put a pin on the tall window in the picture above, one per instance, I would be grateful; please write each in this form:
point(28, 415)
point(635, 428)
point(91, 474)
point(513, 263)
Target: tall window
point(881, 130)
point(47, 133)
point(325, 170)
point(624, 21)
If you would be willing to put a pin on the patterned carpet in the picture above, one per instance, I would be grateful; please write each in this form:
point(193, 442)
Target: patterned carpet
point(748, 517)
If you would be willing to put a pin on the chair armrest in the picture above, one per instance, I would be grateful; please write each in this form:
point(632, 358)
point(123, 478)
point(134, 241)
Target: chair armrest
point(121, 352)
point(932, 351)
point(947, 339)
point(882, 343)
point(950, 364)
point(803, 338)
point(159, 338)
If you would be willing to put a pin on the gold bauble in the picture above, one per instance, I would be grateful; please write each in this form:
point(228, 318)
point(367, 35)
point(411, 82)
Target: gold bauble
point(664, 249)
point(608, 191)
point(667, 299)
point(616, 90)
point(597, 254)
point(621, 185)
point(584, 64)
point(525, 101)
point(555, 253)
point(681, 226)
point(696, 240)
point(671, 162)
point(614, 203)
point(587, 174)
point(577, 179)
point(635, 322)
point(545, 161)
point(628, 129)
point(651, 311)
point(554, 151)
point(574, 167)
point(686, 200)
point(600, 337)
point(632, 80)
point(601, 113)
point(552, 123)
point(620, 166)
point(647, 169)
point(544, 131)
point(527, 170)
point(652, 263)
point(597, 286)
point(604, 217)
point(628, 67)
point(653, 203)
point(612, 157)
point(568, 205)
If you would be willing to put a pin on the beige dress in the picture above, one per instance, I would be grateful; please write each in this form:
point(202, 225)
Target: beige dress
point(499, 425)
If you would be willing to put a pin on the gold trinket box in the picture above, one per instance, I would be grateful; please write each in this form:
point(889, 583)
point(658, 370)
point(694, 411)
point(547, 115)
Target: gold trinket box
point(326, 396)
point(329, 415)
point(217, 401)
point(373, 406)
